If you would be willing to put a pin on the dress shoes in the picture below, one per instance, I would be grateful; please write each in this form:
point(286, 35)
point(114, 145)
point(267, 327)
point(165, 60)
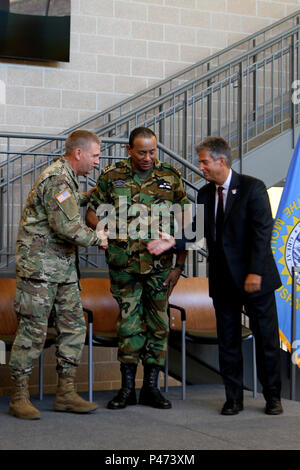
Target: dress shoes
point(273, 407)
point(232, 407)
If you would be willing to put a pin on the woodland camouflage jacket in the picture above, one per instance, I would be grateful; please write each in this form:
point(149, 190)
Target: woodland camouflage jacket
point(133, 204)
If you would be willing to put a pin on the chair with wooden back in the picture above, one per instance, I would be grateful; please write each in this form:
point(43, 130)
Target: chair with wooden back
point(98, 301)
point(192, 314)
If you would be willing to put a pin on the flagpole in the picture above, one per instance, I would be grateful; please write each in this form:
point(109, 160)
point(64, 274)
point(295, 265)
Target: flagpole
point(294, 326)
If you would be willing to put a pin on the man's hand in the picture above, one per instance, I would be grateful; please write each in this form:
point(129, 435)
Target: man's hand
point(172, 279)
point(164, 243)
point(252, 283)
point(103, 234)
point(90, 191)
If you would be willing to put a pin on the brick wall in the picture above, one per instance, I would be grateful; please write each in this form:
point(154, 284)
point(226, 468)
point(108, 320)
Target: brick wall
point(106, 371)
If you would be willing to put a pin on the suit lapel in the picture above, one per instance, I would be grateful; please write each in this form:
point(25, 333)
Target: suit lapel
point(232, 195)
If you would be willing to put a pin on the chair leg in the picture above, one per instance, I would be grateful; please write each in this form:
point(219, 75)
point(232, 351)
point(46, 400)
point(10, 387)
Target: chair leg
point(90, 359)
point(2, 352)
point(254, 367)
point(167, 369)
point(41, 375)
point(183, 358)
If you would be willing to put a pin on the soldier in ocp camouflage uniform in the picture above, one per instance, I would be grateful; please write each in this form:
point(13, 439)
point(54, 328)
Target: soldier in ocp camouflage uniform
point(50, 232)
point(140, 283)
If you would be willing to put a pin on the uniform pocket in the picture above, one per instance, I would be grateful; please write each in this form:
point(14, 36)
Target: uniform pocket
point(31, 297)
point(23, 299)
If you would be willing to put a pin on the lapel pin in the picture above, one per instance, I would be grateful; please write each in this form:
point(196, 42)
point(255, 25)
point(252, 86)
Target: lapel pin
point(234, 191)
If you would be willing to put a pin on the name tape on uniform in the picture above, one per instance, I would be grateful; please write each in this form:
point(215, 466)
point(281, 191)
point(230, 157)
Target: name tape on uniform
point(62, 197)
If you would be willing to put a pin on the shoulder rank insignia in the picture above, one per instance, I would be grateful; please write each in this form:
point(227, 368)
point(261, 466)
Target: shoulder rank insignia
point(176, 170)
point(108, 168)
point(171, 167)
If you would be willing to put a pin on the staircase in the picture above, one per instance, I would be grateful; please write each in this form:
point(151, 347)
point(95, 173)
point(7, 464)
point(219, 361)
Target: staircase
point(243, 93)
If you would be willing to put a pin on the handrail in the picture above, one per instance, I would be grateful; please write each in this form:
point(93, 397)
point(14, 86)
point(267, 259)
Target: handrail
point(179, 159)
point(207, 77)
point(189, 69)
point(105, 140)
point(23, 179)
point(50, 137)
point(183, 114)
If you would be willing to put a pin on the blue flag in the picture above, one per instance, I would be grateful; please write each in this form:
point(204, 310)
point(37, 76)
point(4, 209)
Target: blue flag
point(285, 245)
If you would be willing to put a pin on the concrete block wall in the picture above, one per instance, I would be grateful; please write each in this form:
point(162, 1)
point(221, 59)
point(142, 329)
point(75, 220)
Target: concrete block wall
point(119, 47)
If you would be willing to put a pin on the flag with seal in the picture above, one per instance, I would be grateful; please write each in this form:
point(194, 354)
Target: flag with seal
point(285, 244)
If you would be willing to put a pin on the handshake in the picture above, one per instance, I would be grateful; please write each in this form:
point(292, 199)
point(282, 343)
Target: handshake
point(155, 247)
point(163, 243)
point(103, 235)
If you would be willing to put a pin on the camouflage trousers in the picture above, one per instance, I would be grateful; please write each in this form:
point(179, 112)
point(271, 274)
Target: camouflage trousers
point(143, 324)
point(34, 302)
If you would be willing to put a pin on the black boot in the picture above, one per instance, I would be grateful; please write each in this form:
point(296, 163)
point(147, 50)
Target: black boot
point(126, 395)
point(149, 394)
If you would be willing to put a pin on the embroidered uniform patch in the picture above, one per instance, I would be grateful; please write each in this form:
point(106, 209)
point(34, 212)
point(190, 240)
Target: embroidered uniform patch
point(118, 183)
point(165, 185)
point(62, 197)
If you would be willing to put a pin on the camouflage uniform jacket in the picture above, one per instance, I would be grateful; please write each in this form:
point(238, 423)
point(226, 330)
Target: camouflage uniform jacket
point(51, 227)
point(120, 187)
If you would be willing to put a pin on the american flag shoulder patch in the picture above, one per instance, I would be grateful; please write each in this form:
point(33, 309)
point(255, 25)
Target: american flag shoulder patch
point(62, 197)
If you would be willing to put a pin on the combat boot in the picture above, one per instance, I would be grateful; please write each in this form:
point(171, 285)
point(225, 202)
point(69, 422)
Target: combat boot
point(20, 405)
point(126, 395)
point(67, 399)
point(150, 394)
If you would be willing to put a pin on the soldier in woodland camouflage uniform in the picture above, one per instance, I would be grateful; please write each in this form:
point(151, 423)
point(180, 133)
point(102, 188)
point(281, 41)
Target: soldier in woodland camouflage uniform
point(49, 234)
point(140, 283)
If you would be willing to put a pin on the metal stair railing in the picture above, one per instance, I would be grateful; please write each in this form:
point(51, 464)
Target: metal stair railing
point(17, 179)
point(192, 72)
point(246, 100)
point(102, 120)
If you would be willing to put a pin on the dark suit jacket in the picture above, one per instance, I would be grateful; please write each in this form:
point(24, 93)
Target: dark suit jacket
point(246, 232)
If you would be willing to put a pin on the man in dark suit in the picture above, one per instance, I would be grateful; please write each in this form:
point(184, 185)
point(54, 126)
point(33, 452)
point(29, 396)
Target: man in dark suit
point(242, 271)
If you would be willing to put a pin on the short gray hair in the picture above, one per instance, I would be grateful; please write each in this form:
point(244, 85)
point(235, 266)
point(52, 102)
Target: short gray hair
point(217, 147)
point(80, 138)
